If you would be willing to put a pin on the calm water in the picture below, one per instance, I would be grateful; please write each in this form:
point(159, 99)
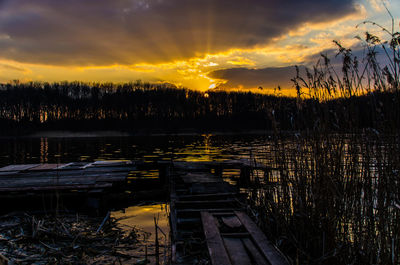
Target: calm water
point(149, 148)
point(358, 165)
point(56, 149)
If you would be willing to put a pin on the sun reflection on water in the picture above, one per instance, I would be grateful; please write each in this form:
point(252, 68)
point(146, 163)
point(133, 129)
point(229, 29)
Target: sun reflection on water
point(141, 217)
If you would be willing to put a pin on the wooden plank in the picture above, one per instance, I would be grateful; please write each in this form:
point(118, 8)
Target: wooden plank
point(87, 165)
point(111, 163)
point(205, 204)
point(55, 187)
point(73, 166)
point(258, 258)
point(196, 212)
point(212, 188)
point(113, 177)
point(63, 166)
point(173, 220)
point(8, 173)
point(195, 197)
point(190, 166)
point(66, 182)
point(189, 203)
point(215, 245)
point(200, 178)
point(42, 183)
point(272, 254)
point(46, 167)
point(236, 235)
point(61, 174)
point(18, 167)
point(108, 163)
point(231, 221)
point(237, 252)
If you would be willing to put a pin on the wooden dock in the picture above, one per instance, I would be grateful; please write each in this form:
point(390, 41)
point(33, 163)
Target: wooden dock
point(99, 176)
point(208, 219)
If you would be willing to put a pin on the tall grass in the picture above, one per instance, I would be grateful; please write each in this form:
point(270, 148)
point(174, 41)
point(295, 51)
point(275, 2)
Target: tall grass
point(377, 71)
point(333, 198)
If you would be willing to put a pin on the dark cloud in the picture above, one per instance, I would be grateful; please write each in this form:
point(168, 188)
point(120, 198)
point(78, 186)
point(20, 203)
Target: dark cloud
point(358, 51)
point(267, 78)
point(270, 78)
point(131, 31)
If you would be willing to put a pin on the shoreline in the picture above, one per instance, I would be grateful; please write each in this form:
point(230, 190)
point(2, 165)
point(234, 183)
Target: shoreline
point(141, 133)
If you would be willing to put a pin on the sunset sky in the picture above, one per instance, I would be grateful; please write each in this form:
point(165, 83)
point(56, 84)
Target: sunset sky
point(199, 44)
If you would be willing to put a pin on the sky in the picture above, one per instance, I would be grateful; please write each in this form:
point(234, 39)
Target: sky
point(198, 44)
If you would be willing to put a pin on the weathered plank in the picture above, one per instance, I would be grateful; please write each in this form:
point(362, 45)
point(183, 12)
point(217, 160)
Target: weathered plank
point(56, 187)
point(272, 254)
point(231, 221)
point(212, 188)
point(236, 235)
point(229, 164)
point(237, 252)
point(196, 190)
point(194, 197)
point(190, 166)
point(46, 167)
point(215, 245)
point(8, 173)
point(204, 204)
point(60, 173)
point(258, 258)
point(21, 181)
point(196, 212)
point(113, 163)
point(200, 178)
point(18, 167)
point(173, 220)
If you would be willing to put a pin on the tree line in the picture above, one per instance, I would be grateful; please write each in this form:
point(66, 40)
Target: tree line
point(26, 107)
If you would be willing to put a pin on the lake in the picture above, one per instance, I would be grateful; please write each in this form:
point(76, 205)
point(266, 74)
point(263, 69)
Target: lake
point(333, 196)
point(89, 147)
point(71, 147)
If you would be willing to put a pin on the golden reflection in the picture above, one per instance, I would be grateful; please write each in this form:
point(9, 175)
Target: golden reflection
point(141, 218)
point(202, 151)
point(44, 150)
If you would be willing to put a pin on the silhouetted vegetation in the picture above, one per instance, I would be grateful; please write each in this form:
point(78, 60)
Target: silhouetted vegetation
point(333, 198)
point(362, 95)
point(141, 106)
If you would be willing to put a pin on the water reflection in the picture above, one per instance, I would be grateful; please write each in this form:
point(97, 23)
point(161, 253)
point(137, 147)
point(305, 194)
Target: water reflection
point(193, 148)
point(142, 218)
point(44, 148)
point(148, 148)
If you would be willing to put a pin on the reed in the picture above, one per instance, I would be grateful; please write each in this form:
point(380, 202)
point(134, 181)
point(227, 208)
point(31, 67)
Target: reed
point(332, 199)
point(329, 197)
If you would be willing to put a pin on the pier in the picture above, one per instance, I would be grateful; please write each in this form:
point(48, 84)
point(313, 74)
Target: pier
point(208, 218)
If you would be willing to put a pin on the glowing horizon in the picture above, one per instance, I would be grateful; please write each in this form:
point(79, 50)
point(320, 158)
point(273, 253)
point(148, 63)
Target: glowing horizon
point(209, 47)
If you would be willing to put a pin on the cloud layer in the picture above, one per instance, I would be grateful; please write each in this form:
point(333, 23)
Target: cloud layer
point(104, 32)
point(267, 78)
